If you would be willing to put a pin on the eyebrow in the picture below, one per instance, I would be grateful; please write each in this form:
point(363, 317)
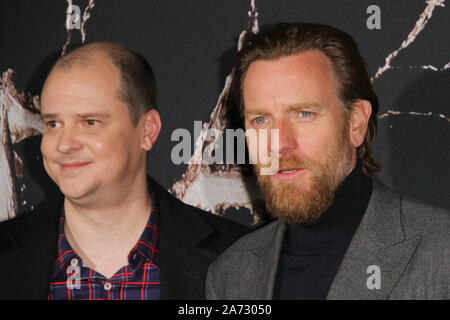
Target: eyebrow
point(48, 116)
point(255, 111)
point(305, 105)
point(98, 115)
point(295, 107)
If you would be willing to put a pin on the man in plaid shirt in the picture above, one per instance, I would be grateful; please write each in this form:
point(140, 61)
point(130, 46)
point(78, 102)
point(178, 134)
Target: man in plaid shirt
point(114, 233)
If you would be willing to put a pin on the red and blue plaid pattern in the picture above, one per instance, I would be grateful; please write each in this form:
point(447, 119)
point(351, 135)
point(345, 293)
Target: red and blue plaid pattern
point(139, 280)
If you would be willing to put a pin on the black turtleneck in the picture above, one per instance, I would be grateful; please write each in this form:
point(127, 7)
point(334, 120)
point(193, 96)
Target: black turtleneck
point(311, 254)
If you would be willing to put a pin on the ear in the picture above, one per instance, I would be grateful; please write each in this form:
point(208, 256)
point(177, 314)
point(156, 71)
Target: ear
point(359, 118)
point(151, 127)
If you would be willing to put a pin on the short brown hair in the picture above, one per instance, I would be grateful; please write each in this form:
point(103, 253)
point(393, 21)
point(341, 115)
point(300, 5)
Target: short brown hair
point(286, 39)
point(137, 81)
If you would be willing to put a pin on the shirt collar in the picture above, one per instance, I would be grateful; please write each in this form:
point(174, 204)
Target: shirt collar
point(147, 246)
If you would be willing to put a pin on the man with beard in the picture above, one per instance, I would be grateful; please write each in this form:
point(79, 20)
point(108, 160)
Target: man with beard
point(338, 233)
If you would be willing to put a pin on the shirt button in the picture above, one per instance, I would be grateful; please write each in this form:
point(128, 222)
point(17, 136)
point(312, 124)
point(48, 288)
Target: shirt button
point(74, 262)
point(107, 286)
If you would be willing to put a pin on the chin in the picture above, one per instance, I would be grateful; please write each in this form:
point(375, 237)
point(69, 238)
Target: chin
point(73, 195)
point(72, 191)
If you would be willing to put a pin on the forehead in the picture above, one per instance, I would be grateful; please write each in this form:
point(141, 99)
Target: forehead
point(96, 85)
point(306, 77)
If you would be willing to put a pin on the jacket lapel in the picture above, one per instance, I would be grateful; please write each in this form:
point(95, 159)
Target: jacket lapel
point(379, 241)
point(261, 263)
point(184, 262)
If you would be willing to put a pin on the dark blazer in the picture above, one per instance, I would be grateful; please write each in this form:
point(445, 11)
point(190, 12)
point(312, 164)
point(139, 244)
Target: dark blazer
point(190, 239)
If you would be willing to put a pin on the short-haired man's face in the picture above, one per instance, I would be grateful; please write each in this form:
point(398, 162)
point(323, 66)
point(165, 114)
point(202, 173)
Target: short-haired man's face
point(90, 146)
point(298, 96)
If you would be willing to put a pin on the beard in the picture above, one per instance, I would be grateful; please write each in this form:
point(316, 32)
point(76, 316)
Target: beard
point(304, 201)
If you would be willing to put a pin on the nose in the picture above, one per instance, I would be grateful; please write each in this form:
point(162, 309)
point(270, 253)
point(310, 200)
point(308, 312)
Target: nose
point(285, 141)
point(68, 140)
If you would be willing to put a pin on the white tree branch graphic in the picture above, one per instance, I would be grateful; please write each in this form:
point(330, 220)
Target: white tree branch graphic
point(424, 17)
point(84, 19)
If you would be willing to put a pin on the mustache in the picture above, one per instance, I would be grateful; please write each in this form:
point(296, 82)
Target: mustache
point(293, 161)
point(290, 160)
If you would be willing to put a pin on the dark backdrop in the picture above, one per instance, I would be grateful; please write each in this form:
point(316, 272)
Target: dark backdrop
point(191, 45)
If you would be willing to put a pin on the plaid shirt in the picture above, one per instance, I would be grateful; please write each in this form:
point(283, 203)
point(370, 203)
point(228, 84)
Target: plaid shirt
point(139, 280)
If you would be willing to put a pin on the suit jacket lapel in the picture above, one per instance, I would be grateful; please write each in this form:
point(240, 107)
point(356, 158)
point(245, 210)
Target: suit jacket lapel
point(379, 241)
point(261, 263)
point(183, 262)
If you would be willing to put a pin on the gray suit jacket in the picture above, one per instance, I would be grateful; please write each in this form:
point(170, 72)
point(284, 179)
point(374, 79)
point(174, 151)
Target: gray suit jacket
point(407, 240)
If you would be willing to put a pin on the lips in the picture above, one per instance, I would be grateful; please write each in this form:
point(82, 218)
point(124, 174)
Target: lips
point(73, 165)
point(289, 173)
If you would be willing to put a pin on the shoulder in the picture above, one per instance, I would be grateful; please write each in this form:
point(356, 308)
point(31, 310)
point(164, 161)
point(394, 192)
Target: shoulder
point(242, 260)
point(9, 230)
point(422, 215)
point(19, 222)
point(180, 218)
point(416, 216)
point(427, 224)
point(431, 223)
point(225, 233)
point(32, 221)
point(260, 236)
point(428, 227)
point(220, 223)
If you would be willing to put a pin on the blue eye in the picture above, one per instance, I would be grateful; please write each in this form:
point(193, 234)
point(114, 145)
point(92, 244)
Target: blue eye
point(260, 120)
point(304, 114)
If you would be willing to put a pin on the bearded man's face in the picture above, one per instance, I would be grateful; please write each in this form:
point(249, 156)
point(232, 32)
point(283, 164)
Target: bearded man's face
point(297, 95)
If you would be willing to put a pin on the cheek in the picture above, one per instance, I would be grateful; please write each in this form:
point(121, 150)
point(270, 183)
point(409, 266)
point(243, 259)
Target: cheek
point(259, 145)
point(316, 141)
point(48, 151)
point(105, 154)
point(252, 149)
point(47, 146)
point(102, 147)
point(99, 146)
point(109, 148)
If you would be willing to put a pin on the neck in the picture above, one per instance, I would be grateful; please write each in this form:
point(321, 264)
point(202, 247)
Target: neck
point(104, 233)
